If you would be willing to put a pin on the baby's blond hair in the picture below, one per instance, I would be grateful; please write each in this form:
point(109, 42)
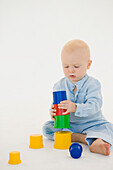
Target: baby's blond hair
point(75, 44)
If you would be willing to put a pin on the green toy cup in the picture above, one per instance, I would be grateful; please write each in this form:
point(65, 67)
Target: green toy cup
point(62, 121)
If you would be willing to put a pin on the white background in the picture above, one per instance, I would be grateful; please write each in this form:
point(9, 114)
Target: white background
point(32, 34)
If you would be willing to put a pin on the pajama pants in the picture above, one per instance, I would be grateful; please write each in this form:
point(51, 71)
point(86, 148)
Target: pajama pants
point(94, 129)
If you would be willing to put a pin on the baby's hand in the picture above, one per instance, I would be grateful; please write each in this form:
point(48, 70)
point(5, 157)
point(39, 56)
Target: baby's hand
point(53, 112)
point(68, 105)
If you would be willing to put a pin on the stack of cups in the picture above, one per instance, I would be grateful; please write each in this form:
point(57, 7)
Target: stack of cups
point(61, 121)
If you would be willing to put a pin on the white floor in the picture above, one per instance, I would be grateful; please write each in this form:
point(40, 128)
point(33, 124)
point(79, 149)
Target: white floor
point(15, 130)
point(51, 159)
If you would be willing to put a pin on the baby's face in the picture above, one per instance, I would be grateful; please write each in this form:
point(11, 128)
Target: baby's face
point(75, 65)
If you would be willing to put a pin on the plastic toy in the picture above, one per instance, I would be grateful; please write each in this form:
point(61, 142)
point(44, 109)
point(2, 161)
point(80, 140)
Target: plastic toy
point(75, 150)
point(36, 141)
point(14, 158)
point(61, 121)
point(62, 140)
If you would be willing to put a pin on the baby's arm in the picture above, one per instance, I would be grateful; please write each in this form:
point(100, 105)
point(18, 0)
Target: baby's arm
point(93, 101)
point(92, 104)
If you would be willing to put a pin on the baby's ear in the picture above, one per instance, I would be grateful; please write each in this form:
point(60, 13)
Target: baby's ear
point(89, 64)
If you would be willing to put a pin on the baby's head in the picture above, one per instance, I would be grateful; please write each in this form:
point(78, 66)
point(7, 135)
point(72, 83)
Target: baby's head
point(75, 57)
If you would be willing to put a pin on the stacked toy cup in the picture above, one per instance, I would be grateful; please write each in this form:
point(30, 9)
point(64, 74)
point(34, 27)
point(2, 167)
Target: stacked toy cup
point(61, 121)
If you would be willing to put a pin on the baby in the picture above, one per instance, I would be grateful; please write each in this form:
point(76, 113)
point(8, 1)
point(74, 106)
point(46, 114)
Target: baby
point(84, 103)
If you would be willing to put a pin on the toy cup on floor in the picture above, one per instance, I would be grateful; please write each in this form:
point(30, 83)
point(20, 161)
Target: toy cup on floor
point(62, 140)
point(14, 158)
point(61, 121)
point(75, 150)
point(36, 141)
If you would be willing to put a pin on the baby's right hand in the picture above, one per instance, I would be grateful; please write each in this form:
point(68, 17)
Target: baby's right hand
point(53, 112)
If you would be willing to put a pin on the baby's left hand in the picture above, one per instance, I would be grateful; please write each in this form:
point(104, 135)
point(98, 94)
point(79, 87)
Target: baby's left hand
point(68, 105)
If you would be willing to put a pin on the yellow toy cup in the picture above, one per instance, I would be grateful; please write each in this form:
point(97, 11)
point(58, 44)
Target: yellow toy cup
point(36, 141)
point(14, 158)
point(62, 140)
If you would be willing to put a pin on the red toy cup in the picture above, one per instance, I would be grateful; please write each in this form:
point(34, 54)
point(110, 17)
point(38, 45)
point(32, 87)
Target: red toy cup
point(59, 111)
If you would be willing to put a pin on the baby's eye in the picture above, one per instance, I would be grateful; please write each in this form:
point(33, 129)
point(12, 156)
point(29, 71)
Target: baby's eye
point(66, 66)
point(76, 66)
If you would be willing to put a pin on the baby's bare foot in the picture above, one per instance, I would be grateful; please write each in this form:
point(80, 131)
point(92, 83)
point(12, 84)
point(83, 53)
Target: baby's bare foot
point(78, 137)
point(100, 146)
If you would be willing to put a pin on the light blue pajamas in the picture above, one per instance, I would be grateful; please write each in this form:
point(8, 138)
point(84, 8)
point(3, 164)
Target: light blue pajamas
point(88, 118)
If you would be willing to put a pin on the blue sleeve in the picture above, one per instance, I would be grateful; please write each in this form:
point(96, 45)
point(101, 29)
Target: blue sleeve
point(93, 101)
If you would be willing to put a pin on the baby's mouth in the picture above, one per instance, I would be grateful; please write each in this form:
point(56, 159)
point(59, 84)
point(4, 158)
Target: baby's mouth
point(72, 76)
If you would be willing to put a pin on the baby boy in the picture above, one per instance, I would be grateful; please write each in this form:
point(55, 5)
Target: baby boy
point(84, 101)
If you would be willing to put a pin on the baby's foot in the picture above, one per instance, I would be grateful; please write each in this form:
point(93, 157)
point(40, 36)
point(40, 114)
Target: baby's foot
point(99, 146)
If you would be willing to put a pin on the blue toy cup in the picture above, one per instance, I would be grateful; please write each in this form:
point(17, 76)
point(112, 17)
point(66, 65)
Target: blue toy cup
point(59, 96)
point(75, 150)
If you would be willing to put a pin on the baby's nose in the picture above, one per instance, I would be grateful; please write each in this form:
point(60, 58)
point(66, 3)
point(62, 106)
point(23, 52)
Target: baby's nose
point(71, 70)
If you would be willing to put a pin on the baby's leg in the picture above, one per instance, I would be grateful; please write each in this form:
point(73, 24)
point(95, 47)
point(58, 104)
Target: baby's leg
point(78, 137)
point(100, 146)
point(48, 130)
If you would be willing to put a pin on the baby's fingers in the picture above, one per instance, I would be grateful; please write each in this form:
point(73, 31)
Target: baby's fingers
point(52, 107)
point(64, 113)
point(53, 115)
point(62, 106)
point(52, 118)
point(64, 102)
point(53, 110)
